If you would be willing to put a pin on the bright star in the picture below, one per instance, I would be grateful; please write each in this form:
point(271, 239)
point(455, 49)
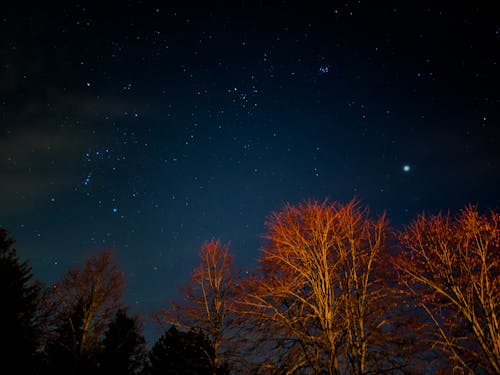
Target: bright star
point(406, 168)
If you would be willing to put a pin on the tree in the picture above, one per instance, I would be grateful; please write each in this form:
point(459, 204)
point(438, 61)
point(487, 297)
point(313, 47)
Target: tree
point(208, 300)
point(63, 352)
point(451, 266)
point(19, 294)
point(180, 353)
point(320, 300)
point(122, 347)
point(81, 305)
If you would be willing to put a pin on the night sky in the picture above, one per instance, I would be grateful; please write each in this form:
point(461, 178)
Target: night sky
point(150, 127)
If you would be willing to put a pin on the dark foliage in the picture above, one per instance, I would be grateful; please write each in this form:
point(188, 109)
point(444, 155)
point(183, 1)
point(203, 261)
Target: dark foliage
point(62, 352)
point(182, 353)
point(122, 347)
point(19, 295)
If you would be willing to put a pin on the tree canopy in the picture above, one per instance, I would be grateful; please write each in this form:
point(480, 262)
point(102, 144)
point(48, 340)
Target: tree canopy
point(19, 294)
point(336, 291)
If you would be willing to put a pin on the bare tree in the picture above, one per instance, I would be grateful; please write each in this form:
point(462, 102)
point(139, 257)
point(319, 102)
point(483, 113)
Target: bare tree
point(320, 300)
point(451, 265)
point(83, 302)
point(208, 301)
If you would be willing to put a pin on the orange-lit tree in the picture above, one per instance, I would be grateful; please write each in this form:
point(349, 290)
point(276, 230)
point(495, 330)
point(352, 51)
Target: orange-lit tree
point(208, 302)
point(81, 305)
point(451, 266)
point(320, 302)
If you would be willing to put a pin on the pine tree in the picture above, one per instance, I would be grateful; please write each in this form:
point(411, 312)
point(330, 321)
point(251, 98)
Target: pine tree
point(122, 346)
point(63, 350)
point(180, 353)
point(19, 295)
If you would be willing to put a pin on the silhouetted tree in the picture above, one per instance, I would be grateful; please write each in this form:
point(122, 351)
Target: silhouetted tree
point(181, 353)
point(123, 346)
point(63, 353)
point(18, 297)
point(80, 307)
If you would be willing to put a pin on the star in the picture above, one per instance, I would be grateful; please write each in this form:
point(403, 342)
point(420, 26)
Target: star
point(167, 142)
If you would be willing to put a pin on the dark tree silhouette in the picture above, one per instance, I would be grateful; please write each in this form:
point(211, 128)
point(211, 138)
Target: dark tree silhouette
point(181, 353)
point(19, 296)
point(122, 347)
point(79, 307)
point(63, 354)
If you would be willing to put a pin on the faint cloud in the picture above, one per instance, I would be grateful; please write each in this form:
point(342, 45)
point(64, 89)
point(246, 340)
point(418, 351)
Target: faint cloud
point(43, 141)
point(35, 164)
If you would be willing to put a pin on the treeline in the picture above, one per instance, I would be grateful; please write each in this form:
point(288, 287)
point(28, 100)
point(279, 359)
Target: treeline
point(336, 291)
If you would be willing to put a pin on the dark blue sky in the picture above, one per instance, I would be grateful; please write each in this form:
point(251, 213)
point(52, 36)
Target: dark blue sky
point(151, 127)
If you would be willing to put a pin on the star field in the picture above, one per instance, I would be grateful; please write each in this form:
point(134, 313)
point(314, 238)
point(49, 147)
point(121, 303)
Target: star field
point(150, 127)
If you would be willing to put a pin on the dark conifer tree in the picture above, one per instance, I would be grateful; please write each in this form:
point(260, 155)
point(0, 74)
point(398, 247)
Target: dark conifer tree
point(19, 298)
point(63, 354)
point(123, 346)
point(78, 308)
point(182, 353)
